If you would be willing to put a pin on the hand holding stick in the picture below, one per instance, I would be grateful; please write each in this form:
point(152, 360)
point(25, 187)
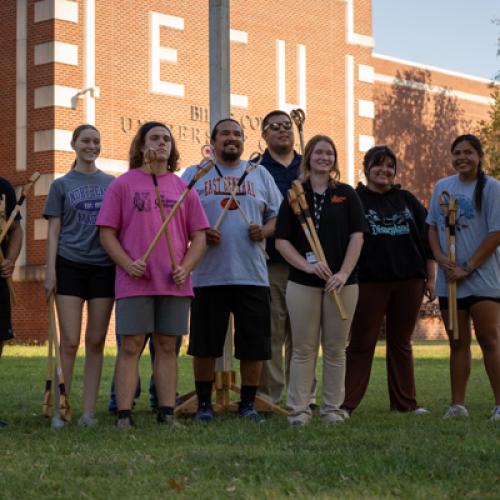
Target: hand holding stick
point(204, 167)
point(313, 237)
point(149, 158)
point(299, 117)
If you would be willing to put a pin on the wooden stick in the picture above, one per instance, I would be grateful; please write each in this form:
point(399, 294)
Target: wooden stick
point(301, 198)
point(17, 208)
point(149, 158)
point(203, 168)
point(294, 204)
point(452, 220)
point(47, 399)
point(10, 284)
point(299, 117)
point(448, 208)
point(64, 408)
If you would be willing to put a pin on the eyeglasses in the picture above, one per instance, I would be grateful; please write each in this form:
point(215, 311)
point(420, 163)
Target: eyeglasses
point(275, 126)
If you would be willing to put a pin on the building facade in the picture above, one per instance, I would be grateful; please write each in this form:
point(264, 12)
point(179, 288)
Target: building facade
point(116, 64)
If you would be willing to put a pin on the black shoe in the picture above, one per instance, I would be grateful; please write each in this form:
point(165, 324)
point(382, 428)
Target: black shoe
point(3, 424)
point(205, 413)
point(247, 411)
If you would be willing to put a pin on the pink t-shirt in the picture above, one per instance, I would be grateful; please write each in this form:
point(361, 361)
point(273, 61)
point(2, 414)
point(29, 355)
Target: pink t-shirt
point(130, 207)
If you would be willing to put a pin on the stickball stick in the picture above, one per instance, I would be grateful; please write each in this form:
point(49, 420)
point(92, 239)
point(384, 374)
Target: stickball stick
point(448, 207)
point(253, 163)
point(64, 408)
point(320, 254)
point(204, 167)
point(149, 158)
point(47, 398)
point(299, 117)
point(10, 284)
point(19, 204)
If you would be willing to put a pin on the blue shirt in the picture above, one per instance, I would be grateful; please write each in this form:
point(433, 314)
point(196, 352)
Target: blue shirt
point(283, 177)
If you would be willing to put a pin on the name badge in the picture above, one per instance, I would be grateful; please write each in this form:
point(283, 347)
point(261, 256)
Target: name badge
point(311, 258)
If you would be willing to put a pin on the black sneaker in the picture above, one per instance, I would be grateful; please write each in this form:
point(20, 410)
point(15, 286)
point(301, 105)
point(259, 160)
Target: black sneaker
point(205, 413)
point(3, 424)
point(247, 411)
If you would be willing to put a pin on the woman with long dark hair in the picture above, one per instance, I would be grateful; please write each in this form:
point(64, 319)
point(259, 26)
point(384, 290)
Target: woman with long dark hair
point(477, 268)
point(314, 317)
point(152, 298)
point(395, 268)
point(78, 268)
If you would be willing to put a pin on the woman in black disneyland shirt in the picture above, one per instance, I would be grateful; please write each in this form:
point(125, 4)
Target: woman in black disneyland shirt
point(395, 269)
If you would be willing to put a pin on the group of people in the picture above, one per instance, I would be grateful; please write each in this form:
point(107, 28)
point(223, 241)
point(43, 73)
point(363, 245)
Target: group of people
point(382, 252)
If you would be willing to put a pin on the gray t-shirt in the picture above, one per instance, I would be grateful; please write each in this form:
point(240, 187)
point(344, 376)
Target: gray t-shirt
point(237, 260)
point(76, 198)
point(471, 229)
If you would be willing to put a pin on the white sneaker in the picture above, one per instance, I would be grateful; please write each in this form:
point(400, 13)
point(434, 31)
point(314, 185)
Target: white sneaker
point(420, 411)
point(87, 421)
point(495, 414)
point(456, 411)
point(331, 418)
point(57, 422)
point(344, 414)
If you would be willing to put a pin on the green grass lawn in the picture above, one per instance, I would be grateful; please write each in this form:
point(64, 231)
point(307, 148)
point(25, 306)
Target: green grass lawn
point(375, 454)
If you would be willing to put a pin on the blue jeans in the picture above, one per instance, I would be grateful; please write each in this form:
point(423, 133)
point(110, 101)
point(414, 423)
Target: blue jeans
point(153, 399)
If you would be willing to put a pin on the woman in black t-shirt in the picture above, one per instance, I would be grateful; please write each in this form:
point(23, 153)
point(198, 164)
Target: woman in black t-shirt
point(339, 221)
point(395, 268)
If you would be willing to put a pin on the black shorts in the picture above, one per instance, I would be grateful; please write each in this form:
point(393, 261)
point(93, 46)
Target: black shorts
point(210, 309)
point(84, 280)
point(466, 303)
point(5, 320)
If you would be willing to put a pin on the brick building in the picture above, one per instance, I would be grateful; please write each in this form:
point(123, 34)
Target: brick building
point(115, 64)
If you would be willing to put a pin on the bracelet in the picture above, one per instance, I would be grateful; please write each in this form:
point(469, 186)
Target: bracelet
point(467, 268)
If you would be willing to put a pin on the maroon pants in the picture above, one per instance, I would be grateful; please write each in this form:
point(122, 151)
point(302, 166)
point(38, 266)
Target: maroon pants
point(399, 302)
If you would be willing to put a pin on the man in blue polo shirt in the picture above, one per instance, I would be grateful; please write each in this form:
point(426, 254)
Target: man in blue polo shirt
point(283, 163)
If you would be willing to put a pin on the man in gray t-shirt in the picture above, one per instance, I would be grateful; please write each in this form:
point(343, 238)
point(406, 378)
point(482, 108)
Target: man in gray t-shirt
point(232, 276)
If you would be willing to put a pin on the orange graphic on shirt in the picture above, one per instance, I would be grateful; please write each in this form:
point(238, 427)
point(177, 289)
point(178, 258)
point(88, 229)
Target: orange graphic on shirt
point(232, 206)
point(337, 199)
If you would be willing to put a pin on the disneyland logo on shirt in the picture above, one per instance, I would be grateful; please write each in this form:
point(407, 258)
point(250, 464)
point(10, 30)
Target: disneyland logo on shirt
point(86, 200)
point(394, 225)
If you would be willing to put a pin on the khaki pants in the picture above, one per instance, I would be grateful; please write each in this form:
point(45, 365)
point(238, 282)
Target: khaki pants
point(313, 311)
point(276, 371)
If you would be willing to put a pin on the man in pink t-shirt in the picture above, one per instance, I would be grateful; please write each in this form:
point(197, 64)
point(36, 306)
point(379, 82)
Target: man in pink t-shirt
point(153, 297)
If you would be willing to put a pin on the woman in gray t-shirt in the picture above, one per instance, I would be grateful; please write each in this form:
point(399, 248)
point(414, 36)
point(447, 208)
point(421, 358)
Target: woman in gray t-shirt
point(78, 268)
point(477, 267)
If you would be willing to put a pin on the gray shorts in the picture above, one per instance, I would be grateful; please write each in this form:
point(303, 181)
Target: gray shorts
point(164, 315)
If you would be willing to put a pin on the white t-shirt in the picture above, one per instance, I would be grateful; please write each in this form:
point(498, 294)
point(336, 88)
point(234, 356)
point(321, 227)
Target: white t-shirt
point(237, 260)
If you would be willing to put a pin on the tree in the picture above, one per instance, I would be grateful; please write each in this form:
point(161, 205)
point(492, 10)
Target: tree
point(419, 126)
point(489, 130)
